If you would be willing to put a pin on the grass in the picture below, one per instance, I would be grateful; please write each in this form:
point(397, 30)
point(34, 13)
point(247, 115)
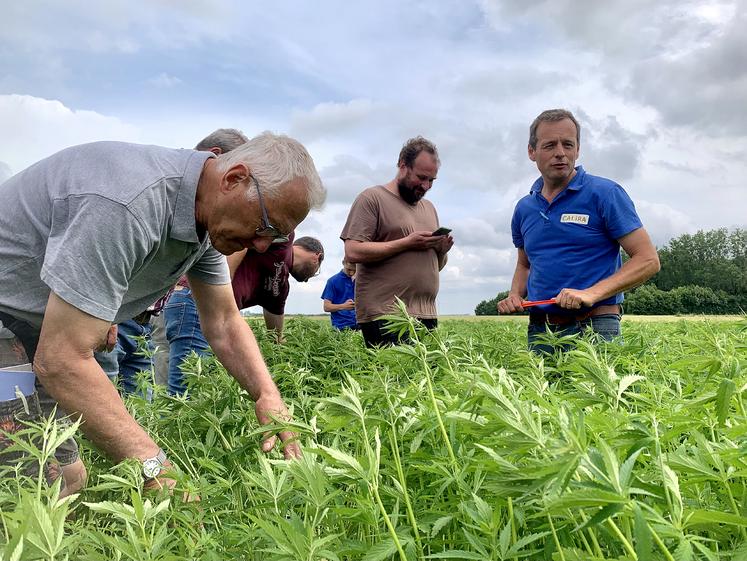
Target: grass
point(462, 446)
point(520, 318)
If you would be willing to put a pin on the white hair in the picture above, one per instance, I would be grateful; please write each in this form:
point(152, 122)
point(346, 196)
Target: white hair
point(274, 160)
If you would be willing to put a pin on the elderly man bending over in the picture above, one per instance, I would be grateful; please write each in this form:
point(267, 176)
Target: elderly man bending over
point(94, 234)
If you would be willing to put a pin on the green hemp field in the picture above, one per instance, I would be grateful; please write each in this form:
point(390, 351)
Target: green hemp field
point(461, 446)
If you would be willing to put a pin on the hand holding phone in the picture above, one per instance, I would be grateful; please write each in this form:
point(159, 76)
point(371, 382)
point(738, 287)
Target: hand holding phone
point(441, 232)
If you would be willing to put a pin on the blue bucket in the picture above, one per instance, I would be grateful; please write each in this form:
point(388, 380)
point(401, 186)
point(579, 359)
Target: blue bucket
point(20, 377)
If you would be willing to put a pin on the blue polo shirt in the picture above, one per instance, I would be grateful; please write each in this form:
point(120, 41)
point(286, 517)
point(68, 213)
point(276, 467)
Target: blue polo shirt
point(339, 289)
point(572, 242)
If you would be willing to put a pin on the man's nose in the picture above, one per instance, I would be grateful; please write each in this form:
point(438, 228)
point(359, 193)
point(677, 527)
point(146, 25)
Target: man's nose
point(261, 244)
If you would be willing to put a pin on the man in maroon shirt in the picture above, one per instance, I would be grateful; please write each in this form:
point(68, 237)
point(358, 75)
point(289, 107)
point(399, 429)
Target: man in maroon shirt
point(261, 279)
point(258, 279)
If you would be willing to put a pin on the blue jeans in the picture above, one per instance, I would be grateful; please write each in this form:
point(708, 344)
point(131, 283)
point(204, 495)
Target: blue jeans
point(607, 326)
point(129, 357)
point(184, 335)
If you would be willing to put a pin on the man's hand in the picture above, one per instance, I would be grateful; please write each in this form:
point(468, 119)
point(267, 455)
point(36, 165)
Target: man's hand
point(445, 244)
point(510, 305)
point(423, 240)
point(572, 299)
point(348, 304)
point(269, 408)
point(162, 480)
point(110, 341)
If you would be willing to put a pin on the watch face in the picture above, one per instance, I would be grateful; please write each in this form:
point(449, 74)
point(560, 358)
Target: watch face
point(151, 468)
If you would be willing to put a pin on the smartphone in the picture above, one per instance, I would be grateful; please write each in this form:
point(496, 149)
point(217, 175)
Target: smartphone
point(441, 232)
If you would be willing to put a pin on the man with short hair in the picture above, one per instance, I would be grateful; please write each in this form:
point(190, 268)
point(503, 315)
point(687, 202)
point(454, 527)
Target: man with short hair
point(139, 217)
point(389, 236)
point(257, 279)
point(568, 232)
point(339, 298)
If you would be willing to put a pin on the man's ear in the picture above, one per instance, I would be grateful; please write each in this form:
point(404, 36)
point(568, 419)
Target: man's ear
point(238, 174)
point(531, 151)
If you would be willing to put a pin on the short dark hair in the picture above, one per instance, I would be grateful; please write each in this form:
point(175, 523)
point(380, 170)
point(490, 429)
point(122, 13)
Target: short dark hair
point(413, 148)
point(311, 244)
point(551, 116)
point(225, 139)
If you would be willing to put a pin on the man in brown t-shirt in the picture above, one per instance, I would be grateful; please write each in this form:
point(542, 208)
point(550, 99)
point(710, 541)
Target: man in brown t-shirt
point(389, 234)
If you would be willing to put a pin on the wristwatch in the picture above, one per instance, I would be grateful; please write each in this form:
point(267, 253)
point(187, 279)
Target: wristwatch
point(152, 466)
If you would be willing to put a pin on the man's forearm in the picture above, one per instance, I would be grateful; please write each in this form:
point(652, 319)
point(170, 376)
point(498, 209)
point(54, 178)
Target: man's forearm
point(519, 281)
point(81, 387)
point(637, 270)
point(371, 252)
point(237, 349)
point(274, 322)
point(330, 307)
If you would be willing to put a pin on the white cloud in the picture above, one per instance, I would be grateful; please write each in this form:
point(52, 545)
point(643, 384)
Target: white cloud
point(333, 119)
point(165, 81)
point(5, 171)
point(662, 222)
point(43, 126)
point(659, 88)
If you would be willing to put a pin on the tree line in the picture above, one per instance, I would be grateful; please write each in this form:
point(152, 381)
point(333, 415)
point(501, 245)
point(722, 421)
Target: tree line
point(702, 273)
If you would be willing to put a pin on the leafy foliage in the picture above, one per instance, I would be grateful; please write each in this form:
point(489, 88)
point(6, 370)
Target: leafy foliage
point(461, 446)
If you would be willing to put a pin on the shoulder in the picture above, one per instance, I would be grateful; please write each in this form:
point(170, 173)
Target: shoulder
point(601, 185)
point(375, 193)
point(428, 205)
point(524, 203)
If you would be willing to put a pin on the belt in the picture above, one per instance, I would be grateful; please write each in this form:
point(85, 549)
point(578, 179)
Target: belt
point(565, 319)
point(143, 318)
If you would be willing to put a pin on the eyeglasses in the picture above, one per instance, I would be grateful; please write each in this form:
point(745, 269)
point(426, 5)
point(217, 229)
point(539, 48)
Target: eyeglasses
point(267, 230)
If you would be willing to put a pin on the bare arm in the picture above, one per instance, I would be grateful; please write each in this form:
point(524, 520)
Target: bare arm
point(642, 265)
point(370, 252)
point(274, 322)
point(235, 346)
point(512, 303)
point(347, 305)
point(65, 366)
point(234, 260)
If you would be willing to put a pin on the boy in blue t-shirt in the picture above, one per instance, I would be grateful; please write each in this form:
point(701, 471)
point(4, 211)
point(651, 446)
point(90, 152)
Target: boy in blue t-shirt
point(339, 297)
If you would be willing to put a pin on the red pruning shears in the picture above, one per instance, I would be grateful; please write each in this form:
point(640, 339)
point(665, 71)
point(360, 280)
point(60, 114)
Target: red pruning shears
point(530, 303)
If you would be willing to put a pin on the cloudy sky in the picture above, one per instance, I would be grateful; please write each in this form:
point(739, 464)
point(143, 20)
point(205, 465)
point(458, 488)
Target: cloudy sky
point(660, 88)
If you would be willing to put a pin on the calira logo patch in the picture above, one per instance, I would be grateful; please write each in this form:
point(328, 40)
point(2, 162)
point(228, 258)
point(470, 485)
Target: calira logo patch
point(574, 218)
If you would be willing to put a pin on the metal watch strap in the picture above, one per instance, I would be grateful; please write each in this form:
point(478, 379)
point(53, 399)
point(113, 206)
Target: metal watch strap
point(159, 459)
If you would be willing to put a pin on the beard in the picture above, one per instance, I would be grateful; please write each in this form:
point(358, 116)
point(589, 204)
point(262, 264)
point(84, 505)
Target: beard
point(408, 193)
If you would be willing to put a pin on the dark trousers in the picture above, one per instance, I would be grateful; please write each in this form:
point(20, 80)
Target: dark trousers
point(27, 334)
point(375, 333)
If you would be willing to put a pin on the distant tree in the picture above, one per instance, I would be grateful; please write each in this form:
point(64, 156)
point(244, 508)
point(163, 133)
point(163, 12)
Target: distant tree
point(716, 259)
point(649, 300)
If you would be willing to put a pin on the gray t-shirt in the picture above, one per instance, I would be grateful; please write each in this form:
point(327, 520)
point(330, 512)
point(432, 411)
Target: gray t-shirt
point(109, 227)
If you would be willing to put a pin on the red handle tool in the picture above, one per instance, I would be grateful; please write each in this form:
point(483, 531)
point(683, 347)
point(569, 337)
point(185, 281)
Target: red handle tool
point(530, 303)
